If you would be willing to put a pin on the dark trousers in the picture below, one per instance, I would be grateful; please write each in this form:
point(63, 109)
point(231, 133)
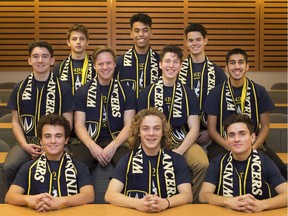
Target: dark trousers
point(80, 152)
point(214, 149)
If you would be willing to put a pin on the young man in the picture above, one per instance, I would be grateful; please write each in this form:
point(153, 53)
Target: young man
point(139, 67)
point(151, 178)
point(243, 178)
point(77, 69)
point(179, 104)
point(54, 180)
point(238, 94)
point(199, 73)
point(104, 110)
point(40, 94)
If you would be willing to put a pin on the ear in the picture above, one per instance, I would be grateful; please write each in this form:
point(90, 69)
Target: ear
point(253, 138)
point(52, 61)
point(205, 40)
point(66, 141)
point(29, 61)
point(247, 66)
point(68, 42)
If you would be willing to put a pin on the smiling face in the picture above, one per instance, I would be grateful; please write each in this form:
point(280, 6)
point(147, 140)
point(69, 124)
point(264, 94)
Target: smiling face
point(150, 133)
point(141, 34)
point(53, 141)
point(105, 66)
point(41, 60)
point(196, 43)
point(240, 140)
point(171, 66)
point(78, 42)
point(237, 68)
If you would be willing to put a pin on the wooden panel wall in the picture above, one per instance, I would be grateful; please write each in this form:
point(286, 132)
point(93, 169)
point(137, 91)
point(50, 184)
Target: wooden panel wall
point(258, 26)
point(273, 35)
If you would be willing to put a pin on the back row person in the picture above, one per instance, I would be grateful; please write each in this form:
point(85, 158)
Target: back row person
point(39, 94)
point(199, 73)
point(77, 69)
point(139, 66)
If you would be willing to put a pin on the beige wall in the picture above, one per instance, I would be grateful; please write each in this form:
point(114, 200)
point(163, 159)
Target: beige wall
point(263, 78)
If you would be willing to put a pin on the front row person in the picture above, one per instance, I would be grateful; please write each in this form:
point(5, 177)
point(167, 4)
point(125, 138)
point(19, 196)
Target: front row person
point(54, 180)
point(243, 178)
point(151, 178)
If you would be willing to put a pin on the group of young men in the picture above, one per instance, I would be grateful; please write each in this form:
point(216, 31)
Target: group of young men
point(181, 108)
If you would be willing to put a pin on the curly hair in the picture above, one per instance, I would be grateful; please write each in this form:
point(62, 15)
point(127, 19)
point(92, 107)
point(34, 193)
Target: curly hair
point(134, 139)
point(53, 119)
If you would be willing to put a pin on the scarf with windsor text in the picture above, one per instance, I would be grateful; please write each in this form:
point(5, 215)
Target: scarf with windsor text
point(179, 109)
point(206, 84)
point(231, 184)
point(40, 177)
point(32, 102)
point(248, 105)
point(114, 107)
point(66, 72)
point(130, 69)
point(139, 175)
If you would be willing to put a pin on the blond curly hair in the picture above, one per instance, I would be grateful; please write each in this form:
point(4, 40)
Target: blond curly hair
point(134, 139)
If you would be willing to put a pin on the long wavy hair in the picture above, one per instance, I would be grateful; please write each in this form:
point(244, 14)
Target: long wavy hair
point(134, 139)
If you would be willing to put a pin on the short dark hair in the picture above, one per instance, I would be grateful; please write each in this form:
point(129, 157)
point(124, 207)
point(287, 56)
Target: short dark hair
point(53, 119)
point(239, 118)
point(141, 17)
point(101, 49)
point(173, 48)
point(196, 27)
point(78, 28)
point(236, 51)
point(44, 44)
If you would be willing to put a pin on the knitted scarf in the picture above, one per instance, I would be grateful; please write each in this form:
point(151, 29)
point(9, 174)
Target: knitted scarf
point(139, 175)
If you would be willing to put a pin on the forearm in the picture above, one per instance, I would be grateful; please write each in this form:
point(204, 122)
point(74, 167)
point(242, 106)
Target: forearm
point(262, 136)
point(189, 140)
point(216, 137)
point(278, 201)
point(180, 199)
point(19, 135)
point(16, 199)
point(83, 135)
point(120, 199)
point(122, 137)
point(213, 199)
point(78, 199)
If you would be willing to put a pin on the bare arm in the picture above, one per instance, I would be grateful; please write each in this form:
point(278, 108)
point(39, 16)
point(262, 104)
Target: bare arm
point(32, 149)
point(278, 201)
point(69, 117)
point(238, 203)
point(264, 131)
point(194, 127)
point(82, 134)
point(86, 195)
point(110, 149)
point(15, 196)
point(213, 133)
point(150, 203)
point(45, 202)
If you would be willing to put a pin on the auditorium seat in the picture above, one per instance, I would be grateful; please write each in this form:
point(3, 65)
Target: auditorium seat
point(7, 85)
point(279, 86)
point(101, 178)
